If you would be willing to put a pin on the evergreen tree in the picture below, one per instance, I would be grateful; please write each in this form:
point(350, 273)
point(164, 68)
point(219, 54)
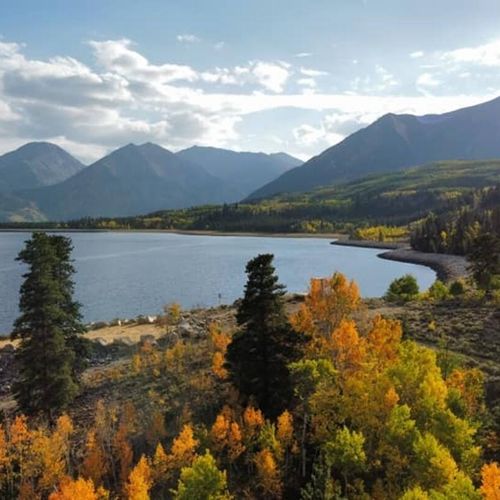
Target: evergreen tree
point(320, 485)
point(261, 350)
point(484, 261)
point(48, 327)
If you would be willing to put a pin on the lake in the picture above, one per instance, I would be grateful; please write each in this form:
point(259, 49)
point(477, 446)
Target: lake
point(122, 275)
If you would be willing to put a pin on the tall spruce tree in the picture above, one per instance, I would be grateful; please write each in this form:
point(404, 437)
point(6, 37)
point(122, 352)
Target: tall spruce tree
point(48, 327)
point(265, 344)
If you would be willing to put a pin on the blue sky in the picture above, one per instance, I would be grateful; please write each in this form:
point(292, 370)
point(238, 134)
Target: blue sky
point(256, 75)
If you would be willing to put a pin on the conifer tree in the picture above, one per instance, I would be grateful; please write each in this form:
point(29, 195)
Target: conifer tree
point(261, 350)
point(47, 328)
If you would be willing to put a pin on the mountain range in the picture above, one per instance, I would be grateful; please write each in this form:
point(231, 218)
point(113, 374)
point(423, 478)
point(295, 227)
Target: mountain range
point(395, 142)
point(40, 181)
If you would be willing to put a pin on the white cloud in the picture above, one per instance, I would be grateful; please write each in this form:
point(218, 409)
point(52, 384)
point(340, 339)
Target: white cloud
point(417, 54)
point(122, 97)
point(487, 54)
point(307, 82)
point(188, 38)
point(271, 76)
point(312, 72)
point(303, 54)
point(428, 80)
point(219, 45)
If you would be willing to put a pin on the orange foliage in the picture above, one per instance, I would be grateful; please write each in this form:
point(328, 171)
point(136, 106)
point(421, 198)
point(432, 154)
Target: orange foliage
point(94, 465)
point(160, 464)
point(470, 383)
point(383, 340)
point(220, 339)
point(81, 489)
point(490, 485)
point(268, 474)
point(218, 366)
point(183, 448)
point(285, 428)
point(139, 482)
point(253, 420)
point(328, 302)
point(346, 346)
point(123, 451)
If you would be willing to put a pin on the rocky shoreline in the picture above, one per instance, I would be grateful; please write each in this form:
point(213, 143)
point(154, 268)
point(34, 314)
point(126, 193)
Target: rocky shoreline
point(448, 267)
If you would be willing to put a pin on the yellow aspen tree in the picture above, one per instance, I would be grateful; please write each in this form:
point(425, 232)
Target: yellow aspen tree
point(20, 441)
point(253, 421)
point(235, 442)
point(329, 301)
point(123, 451)
point(160, 464)
point(78, 489)
point(219, 432)
point(183, 448)
point(490, 484)
point(347, 347)
point(139, 481)
point(268, 474)
point(218, 368)
point(94, 465)
point(284, 431)
point(383, 340)
point(220, 340)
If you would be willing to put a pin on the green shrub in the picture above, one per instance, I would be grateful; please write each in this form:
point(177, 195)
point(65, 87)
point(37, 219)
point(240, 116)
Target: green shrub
point(457, 288)
point(403, 289)
point(438, 291)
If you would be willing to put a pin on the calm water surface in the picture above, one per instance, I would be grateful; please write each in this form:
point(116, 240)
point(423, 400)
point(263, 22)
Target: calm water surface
point(127, 274)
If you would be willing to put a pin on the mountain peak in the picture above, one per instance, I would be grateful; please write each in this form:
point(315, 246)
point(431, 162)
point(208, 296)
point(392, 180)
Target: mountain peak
point(395, 142)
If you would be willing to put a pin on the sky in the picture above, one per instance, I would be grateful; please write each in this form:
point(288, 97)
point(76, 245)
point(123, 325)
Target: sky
point(255, 75)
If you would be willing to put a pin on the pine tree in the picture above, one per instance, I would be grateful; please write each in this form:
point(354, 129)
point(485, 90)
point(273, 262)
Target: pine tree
point(484, 261)
point(48, 327)
point(261, 350)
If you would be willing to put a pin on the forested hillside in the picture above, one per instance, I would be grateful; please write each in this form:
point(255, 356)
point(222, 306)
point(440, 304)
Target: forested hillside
point(456, 229)
point(390, 199)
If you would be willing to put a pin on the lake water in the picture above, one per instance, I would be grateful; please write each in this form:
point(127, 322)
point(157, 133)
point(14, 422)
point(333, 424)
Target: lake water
point(127, 274)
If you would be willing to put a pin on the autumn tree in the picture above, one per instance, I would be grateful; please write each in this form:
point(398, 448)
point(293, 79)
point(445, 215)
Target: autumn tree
point(139, 481)
point(490, 485)
point(327, 303)
point(261, 350)
point(48, 328)
point(81, 489)
point(268, 474)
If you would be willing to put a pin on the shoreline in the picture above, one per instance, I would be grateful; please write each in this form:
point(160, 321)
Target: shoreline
point(448, 268)
point(185, 232)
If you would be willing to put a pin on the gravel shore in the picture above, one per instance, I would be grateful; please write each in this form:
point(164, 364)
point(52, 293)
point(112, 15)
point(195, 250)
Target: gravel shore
point(448, 267)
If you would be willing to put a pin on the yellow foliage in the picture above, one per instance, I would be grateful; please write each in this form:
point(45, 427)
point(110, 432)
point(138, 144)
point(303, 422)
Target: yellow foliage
point(78, 489)
point(94, 465)
point(284, 431)
point(139, 481)
point(183, 448)
point(218, 366)
point(268, 474)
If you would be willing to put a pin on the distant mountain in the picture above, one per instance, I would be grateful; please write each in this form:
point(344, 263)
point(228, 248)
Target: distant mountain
point(243, 172)
point(395, 142)
point(131, 180)
point(34, 165)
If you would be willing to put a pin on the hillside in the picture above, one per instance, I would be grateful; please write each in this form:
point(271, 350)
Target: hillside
point(131, 180)
point(395, 142)
point(34, 165)
point(243, 172)
point(395, 199)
